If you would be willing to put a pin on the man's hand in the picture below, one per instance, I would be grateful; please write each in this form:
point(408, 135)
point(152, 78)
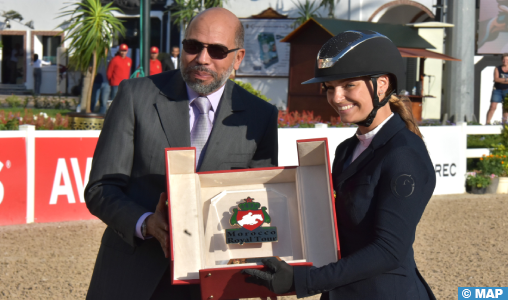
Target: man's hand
point(279, 280)
point(157, 224)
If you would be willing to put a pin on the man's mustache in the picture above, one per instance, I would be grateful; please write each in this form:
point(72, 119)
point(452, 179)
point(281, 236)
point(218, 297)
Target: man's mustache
point(202, 69)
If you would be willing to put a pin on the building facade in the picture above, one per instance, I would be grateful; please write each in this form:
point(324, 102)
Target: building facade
point(39, 32)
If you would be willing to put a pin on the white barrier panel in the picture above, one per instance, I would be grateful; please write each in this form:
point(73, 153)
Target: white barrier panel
point(57, 165)
point(446, 146)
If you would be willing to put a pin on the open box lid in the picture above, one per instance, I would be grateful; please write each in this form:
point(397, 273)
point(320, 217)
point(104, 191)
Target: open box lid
point(312, 178)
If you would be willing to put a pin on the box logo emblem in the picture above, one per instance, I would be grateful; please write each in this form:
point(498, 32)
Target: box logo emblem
point(249, 216)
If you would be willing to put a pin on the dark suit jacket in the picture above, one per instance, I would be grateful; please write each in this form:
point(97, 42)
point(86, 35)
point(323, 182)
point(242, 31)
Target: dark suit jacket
point(167, 63)
point(381, 197)
point(128, 170)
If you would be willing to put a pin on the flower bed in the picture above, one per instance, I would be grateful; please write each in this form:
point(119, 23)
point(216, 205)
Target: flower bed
point(306, 119)
point(11, 120)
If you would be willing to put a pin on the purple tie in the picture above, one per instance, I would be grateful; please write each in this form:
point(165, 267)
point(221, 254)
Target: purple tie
point(202, 126)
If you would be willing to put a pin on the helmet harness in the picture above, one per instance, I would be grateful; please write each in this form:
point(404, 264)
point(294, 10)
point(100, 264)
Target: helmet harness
point(376, 103)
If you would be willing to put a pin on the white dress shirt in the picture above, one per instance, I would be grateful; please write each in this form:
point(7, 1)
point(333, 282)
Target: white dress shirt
point(366, 139)
point(175, 61)
point(214, 99)
point(39, 62)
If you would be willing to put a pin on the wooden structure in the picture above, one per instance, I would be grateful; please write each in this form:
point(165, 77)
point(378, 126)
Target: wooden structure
point(307, 39)
point(269, 13)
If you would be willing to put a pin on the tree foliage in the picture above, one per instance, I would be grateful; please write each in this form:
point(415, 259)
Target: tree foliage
point(330, 5)
point(306, 11)
point(90, 30)
point(12, 15)
point(185, 10)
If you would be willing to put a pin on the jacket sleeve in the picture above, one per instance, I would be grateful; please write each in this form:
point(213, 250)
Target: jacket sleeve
point(267, 151)
point(111, 169)
point(396, 218)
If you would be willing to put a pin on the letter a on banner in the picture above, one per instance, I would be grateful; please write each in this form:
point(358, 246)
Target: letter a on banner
point(66, 188)
point(80, 184)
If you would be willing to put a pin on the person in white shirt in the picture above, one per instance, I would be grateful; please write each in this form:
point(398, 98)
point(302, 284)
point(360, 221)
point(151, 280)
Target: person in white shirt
point(37, 64)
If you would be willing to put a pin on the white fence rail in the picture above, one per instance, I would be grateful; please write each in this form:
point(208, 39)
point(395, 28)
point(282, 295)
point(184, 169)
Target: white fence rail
point(479, 130)
point(447, 146)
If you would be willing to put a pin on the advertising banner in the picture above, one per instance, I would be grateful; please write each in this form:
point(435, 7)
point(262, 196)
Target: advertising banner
point(493, 27)
point(12, 181)
point(62, 168)
point(265, 55)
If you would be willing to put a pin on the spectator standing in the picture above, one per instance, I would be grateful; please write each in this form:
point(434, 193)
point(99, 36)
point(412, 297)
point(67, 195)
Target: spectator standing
point(13, 63)
point(155, 64)
point(500, 89)
point(119, 69)
point(37, 65)
point(101, 89)
point(173, 62)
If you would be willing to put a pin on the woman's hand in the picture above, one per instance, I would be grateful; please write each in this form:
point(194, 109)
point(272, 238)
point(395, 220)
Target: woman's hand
point(279, 280)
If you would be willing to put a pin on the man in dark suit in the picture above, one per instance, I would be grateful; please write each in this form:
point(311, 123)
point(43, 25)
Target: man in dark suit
point(172, 62)
point(197, 106)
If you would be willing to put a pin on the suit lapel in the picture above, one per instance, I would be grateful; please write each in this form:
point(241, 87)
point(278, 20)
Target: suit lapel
point(174, 113)
point(356, 165)
point(340, 160)
point(226, 120)
point(394, 125)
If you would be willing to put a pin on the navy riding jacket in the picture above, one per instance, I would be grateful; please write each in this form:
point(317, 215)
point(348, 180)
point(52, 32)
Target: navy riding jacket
point(380, 198)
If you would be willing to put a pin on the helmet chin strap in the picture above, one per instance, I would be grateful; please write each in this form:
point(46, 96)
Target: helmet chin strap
point(376, 103)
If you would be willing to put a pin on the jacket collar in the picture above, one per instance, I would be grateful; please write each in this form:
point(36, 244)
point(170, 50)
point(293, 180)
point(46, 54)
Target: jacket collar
point(231, 99)
point(394, 125)
point(175, 88)
point(173, 114)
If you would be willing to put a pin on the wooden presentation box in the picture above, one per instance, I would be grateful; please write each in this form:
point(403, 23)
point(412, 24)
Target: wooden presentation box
point(299, 201)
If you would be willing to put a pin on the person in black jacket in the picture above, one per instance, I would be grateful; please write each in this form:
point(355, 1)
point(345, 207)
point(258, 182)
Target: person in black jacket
point(383, 178)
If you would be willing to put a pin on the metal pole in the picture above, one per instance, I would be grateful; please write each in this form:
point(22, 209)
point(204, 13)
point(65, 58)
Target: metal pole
point(146, 36)
point(459, 96)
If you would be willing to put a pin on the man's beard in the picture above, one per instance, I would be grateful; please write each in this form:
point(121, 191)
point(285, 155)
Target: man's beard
point(198, 85)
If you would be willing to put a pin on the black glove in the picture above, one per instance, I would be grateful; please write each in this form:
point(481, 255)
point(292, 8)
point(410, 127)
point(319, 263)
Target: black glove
point(279, 280)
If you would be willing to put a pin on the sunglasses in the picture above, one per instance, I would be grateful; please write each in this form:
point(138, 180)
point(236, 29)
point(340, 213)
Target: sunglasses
point(215, 51)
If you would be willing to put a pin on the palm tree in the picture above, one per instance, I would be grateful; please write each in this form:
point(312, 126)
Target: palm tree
point(90, 30)
point(330, 4)
point(306, 11)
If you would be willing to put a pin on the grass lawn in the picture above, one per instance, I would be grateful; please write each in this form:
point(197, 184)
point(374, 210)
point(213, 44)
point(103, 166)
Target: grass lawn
point(49, 111)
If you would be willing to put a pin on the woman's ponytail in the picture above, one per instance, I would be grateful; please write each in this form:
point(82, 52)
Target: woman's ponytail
point(400, 106)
